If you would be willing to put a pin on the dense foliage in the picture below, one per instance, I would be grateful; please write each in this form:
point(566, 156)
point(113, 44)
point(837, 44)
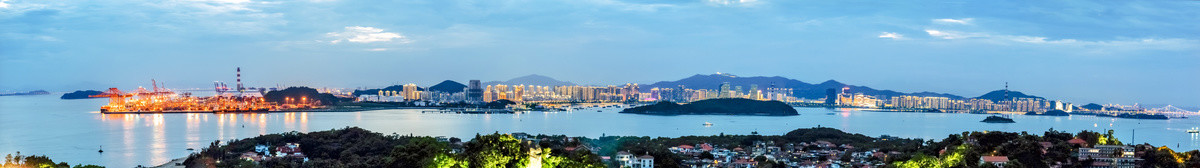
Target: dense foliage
point(35, 161)
point(730, 106)
point(296, 93)
point(1026, 150)
point(658, 147)
point(397, 88)
point(356, 147)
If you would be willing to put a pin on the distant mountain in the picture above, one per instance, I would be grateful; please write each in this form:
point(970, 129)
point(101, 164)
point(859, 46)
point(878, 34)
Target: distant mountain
point(714, 81)
point(448, 86)
point(800, 89)
point(1092, 106)
point(531, 80)
point(998, 95)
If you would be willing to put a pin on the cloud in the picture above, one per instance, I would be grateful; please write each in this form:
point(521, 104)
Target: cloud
point(891, 35)
point(943, 34)
point(1097, 45)
point(2, 4)
point(963, 21)
point(377, 49)
point(358, 34)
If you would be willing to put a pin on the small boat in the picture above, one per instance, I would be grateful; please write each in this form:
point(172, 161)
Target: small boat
point(598, 111)
point(830, 113)
point(1194, 130)
point(707, 124)
point(190, 149)
point(101, 149)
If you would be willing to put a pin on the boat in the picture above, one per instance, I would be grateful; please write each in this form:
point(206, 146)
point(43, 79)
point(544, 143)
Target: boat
point(1194, 130)
point(707, 124)
point(998, 119)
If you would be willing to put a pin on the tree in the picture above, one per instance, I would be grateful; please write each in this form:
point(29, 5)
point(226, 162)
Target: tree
point(707, 155)
point(496, 150)
point(419, 151)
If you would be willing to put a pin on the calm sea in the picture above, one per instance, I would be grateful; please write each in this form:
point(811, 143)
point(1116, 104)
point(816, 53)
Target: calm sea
point(73, 130)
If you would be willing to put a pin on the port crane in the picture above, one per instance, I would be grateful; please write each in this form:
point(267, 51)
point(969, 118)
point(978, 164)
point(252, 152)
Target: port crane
point(116, 99)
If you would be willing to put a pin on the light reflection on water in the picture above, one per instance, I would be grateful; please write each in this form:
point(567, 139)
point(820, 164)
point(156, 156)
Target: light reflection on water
point(151, 139)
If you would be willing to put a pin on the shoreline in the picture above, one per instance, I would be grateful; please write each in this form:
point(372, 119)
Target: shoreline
point(1018, 113)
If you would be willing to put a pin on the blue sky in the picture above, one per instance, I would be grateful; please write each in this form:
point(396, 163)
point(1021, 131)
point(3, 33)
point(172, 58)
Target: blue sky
point(1081, 51)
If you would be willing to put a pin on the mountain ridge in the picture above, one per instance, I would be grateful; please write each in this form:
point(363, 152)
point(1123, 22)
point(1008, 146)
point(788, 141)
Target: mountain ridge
point(532, 79)
point(800, 89)
point(998, 95)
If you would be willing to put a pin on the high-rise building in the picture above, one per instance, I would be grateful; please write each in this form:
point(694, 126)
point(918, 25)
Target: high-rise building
point(518, 93)
point(411, 92)
point(754, 93)
point(475, 92)
point(831, 97)
point(724, 91)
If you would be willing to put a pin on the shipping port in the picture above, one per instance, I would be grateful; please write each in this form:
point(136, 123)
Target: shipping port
point(162, 100)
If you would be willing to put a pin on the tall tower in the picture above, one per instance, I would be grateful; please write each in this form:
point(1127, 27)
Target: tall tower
point(239, 81)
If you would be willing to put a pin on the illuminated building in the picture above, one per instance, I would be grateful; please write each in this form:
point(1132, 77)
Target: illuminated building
point(411, 93)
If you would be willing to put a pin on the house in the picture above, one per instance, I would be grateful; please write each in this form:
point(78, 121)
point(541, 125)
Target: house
point(999, 161)
point(645, 161)
point(290, 150)
point(625, 159)
point(263, 149)
point(1078, 141)
point(683, 149)
point(251, 156)
point(522, 136)
point(706, 147)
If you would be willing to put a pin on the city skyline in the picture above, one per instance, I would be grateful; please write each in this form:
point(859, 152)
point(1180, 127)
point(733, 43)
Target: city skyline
point(1087, 52)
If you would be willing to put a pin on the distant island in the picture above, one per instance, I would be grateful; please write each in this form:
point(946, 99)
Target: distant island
point(36, 92)
point(729, 106)
point(1143, 116)
point(81, 94)
point(997, 119)
point(1050, 113)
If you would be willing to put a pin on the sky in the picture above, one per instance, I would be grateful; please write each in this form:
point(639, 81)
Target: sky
point(1080, 51)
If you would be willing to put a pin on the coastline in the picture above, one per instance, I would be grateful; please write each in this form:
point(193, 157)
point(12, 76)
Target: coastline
point(1018, 113)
